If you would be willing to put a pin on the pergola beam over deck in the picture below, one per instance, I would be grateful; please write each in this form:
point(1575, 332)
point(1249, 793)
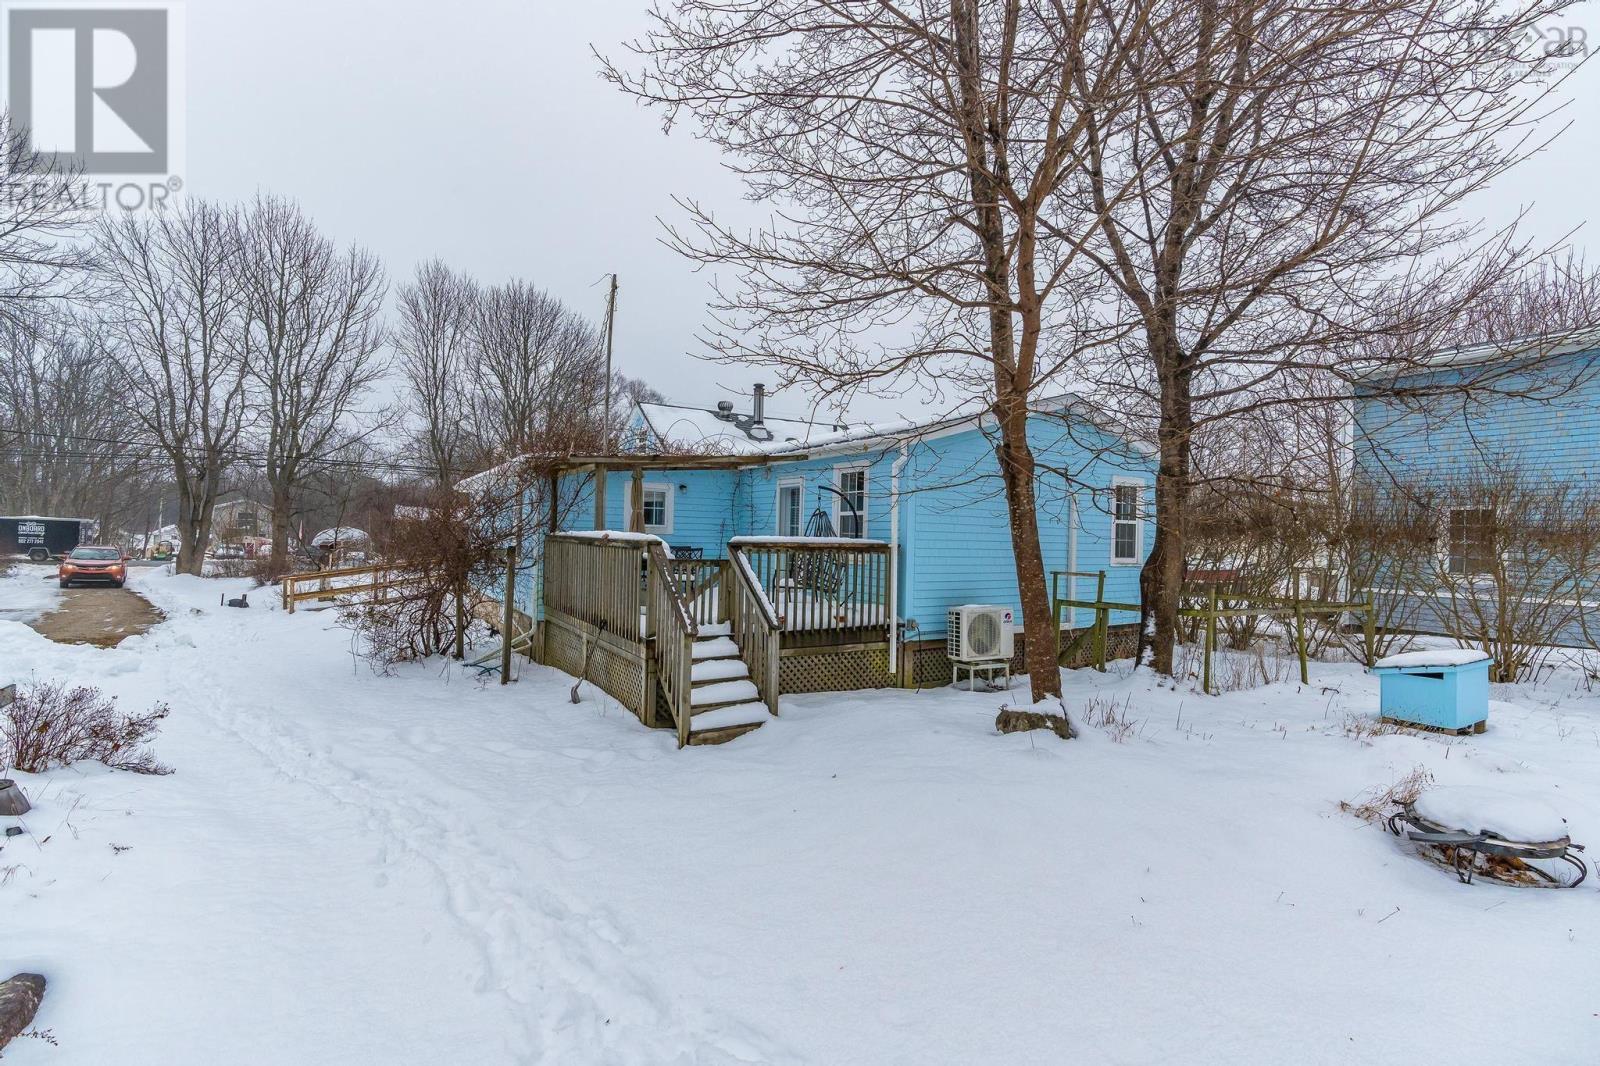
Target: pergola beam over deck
point(600, 465)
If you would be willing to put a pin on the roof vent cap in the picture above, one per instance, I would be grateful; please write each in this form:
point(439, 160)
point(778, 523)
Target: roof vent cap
point(725, 410)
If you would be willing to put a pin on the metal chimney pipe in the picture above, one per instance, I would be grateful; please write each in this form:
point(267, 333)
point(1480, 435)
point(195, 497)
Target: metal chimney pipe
point(760, 404)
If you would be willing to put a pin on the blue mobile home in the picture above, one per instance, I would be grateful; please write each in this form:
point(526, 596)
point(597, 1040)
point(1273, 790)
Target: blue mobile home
point(903, 521)
point(1469, 433)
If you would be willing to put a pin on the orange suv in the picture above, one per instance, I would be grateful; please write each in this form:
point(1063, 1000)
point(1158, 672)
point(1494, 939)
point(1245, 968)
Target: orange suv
point(91, 563)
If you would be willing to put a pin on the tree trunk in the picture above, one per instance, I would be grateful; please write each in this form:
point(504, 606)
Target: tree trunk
point(1038, 621)
point(282, 509)
point(1161, 580)
point(191, 546)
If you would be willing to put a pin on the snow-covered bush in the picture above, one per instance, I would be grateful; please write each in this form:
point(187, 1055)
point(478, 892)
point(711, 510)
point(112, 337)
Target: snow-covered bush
point(51, 725)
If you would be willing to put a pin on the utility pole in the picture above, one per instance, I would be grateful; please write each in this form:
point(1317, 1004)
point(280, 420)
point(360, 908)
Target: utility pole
point(611, 324)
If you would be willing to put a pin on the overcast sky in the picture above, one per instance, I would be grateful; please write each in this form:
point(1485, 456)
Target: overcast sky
point(479, 131)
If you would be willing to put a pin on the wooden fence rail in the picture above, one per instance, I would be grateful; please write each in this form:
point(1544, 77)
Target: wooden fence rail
point(1291, 609)
point(319, 585)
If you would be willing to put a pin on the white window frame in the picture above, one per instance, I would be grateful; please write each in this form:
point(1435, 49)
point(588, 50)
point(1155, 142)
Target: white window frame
point(1137, 558)
point(1448, 541)
point(839, 509)
point(785, 484)
point(665, 529)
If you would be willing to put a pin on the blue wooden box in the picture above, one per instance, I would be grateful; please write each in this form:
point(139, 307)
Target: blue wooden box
point(1440, 694)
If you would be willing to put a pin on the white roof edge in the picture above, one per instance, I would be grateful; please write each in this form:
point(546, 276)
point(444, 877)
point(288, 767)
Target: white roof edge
point(1531, 345)
point(1052, 404)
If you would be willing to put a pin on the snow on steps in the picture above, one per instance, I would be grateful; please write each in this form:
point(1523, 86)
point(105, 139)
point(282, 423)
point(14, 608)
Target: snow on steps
point(724, 692)
point(729, 717)
point(716, 629)
point(717, 648)
point(706, 670)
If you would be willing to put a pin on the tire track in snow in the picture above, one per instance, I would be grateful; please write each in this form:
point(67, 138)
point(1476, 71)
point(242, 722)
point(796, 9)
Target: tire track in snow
point(565, 969)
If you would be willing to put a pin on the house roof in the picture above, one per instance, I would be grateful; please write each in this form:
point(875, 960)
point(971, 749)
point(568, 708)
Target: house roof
point(694, 437)
point(699, 430)
point(727, 433)
point(1533, 345)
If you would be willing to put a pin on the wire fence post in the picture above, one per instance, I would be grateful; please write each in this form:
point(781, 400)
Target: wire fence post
point(1369, 629)
point(461, 623)
point(1211, 642)
point(1102, 623)
point(1300, 635)
point(507, 623)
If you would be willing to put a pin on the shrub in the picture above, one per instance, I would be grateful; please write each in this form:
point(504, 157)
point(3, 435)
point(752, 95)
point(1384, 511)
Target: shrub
point(51, 725)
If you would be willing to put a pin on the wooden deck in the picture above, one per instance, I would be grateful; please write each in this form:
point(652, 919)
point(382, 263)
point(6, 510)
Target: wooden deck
point(653, 617)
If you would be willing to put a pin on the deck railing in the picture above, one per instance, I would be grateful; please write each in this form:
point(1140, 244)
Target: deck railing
point(675, 630)
point(816, 584)
point(597, 581)
point(755, 627)
point(699, 584)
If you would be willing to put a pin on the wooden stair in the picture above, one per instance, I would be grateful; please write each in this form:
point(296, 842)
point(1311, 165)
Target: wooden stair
point(724, 701)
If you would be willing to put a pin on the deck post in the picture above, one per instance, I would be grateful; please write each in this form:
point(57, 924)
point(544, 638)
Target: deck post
point(507, 622)
point(599, 497)
point(636, 517)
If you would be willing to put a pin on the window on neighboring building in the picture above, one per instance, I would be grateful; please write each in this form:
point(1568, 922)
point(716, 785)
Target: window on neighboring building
point(1471, 540)
point(1127, 526)
point(850, 511)
point(791, 501)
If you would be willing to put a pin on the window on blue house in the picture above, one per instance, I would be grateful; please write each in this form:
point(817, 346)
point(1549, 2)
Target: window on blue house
point(1127, 525)
point(791, 504)
point(850, 507)
point(1471, 540)
point(657, 509)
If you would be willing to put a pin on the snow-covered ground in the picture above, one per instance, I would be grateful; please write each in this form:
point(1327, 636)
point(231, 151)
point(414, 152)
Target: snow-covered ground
point(424, 868)
point(27, 590)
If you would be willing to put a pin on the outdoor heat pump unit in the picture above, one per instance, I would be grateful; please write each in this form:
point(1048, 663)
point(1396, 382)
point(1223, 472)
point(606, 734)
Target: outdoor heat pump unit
point(979, 633)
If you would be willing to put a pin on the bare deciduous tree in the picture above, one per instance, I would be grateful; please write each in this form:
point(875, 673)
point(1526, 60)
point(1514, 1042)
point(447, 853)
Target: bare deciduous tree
point(176, 320)
point(311, 336)
point(43, 212)
point(62, 423)
point(919, 159)
point(432, 338)
point(537, 370)
point(1298, 173)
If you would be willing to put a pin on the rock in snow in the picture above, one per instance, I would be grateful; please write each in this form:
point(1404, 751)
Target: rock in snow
point(19, 1001)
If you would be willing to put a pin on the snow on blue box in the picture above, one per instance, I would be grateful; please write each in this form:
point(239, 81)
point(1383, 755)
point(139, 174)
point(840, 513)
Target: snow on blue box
point(1446, 688)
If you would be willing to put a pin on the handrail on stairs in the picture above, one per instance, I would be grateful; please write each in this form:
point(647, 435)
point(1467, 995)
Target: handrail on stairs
point(670, 620)
point(756, 628)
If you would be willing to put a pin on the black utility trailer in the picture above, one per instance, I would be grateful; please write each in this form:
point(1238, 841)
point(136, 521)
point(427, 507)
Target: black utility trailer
point(41, 538)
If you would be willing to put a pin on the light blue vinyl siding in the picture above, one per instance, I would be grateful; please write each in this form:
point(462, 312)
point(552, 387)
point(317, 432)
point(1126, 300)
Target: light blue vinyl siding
point(703, 512)
point(960, 551)
point(1544, 423)
point(1537, 424)
point(954, 530)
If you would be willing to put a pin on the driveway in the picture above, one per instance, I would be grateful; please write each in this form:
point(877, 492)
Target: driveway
point(104, 617)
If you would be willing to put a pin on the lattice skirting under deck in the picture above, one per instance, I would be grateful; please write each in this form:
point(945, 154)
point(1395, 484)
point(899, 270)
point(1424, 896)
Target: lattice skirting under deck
point(617, 668)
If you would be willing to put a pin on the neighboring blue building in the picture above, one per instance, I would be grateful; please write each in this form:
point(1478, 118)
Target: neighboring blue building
point(1467, 435)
